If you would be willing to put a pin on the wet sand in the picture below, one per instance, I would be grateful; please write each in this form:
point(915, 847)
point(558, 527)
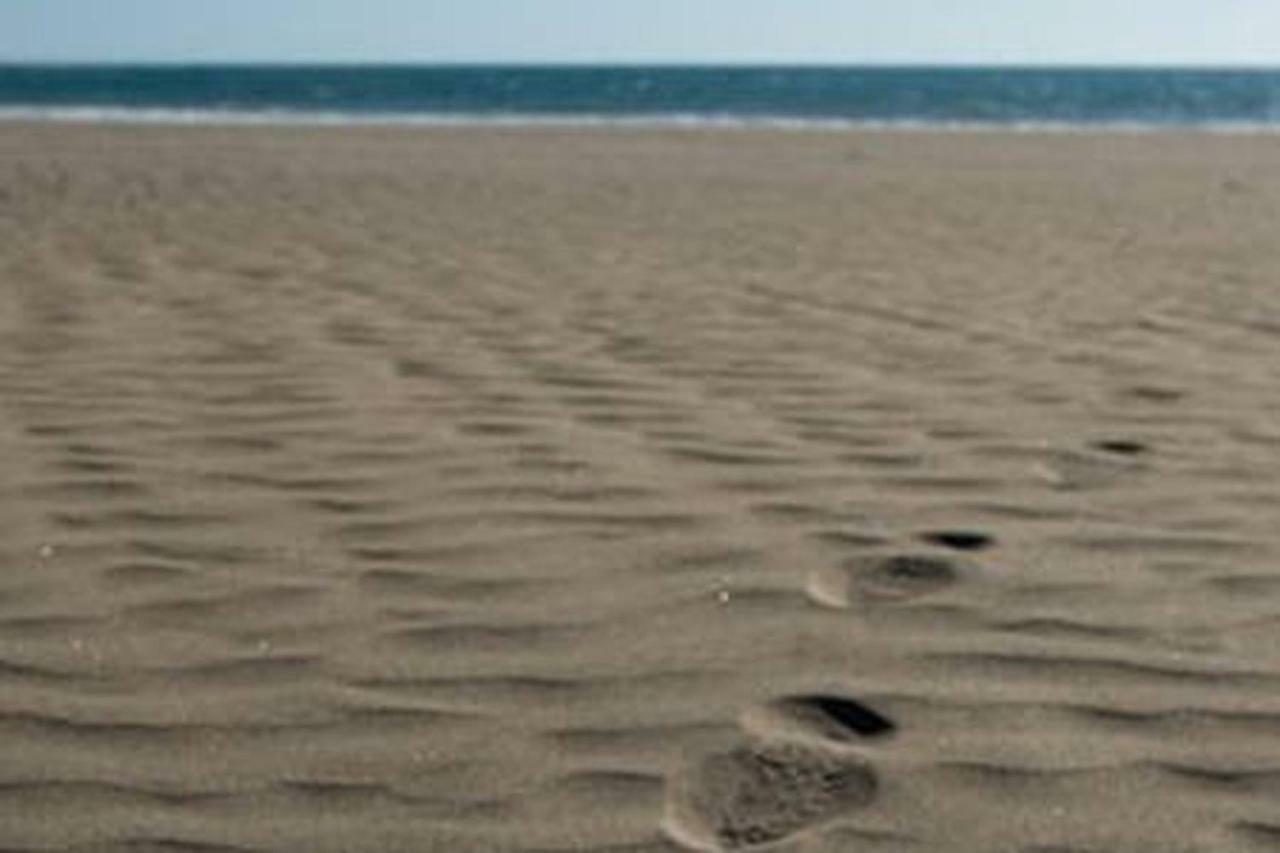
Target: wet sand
point(542, 490)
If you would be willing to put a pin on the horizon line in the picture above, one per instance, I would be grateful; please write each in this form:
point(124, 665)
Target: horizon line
point(572, 64)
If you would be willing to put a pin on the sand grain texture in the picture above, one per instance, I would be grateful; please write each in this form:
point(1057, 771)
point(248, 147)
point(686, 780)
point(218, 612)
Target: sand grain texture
point(516, 490)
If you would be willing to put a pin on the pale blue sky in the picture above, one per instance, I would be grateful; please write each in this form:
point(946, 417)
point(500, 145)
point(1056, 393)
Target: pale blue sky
point(1221, 32)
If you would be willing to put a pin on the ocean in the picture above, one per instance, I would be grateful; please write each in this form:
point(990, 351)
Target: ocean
point(1033, 98)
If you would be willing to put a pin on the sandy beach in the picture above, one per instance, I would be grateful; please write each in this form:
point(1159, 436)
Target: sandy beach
point(547, 490)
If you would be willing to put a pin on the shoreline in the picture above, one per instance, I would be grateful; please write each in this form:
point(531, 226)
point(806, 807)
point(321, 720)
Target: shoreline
point(283, 119)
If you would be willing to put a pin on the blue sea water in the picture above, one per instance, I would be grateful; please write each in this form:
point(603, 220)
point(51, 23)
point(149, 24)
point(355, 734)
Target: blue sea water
point(801, 96)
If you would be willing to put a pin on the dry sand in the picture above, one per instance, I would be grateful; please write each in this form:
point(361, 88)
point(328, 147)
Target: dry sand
point(536, 490)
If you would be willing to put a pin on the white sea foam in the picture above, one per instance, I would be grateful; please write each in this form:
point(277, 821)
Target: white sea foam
point(692, 121)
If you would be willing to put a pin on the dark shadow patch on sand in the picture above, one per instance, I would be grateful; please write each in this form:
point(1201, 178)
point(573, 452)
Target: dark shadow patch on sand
point(757, 794)
point(832, 717)
point(1121, 446)
point(959, 540)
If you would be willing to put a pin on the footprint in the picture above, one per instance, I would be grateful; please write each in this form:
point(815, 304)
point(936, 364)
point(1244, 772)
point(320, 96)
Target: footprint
point(1081, 469)
point(824, 716)
point(959, 540)
point(883, 577)
point(760, 793)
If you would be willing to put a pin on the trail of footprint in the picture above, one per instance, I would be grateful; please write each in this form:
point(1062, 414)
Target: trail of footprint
point(797, 771)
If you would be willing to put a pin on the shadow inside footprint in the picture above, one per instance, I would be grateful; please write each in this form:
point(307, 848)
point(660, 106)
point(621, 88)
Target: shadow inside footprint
point(761, 793)
point(835, 717)
point(883, 577)
point(959, 540)
point(1121, 446)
